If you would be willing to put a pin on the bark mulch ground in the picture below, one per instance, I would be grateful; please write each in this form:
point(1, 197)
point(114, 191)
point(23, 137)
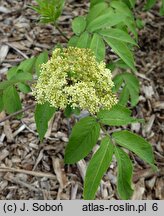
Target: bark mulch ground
point(33, 170)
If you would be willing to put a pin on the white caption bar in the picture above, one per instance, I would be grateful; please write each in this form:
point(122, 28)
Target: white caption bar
point(81, 208)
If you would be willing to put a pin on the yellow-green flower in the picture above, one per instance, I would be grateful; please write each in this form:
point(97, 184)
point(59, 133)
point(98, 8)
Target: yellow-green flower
point(73, 77)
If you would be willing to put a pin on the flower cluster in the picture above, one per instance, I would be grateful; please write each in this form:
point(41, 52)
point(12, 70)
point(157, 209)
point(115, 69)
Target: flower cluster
point(73, 77)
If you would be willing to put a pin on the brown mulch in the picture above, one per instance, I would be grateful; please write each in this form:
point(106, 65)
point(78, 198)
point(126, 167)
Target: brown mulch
point(33, 170)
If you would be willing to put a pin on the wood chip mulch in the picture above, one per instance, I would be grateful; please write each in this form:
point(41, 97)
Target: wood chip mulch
point(33, 170)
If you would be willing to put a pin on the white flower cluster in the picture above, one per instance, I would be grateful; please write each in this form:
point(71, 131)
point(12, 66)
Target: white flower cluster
point(73, 77)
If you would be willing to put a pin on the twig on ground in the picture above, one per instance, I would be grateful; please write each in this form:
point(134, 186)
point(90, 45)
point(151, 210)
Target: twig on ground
point(33, 173)
point(17, 113)
point(10, 177)
point(17, 50)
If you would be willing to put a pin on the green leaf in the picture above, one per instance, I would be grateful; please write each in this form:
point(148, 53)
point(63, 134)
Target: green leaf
point(84, 40)
point(43, 113)
point(11, 100)
point(121, 64)
point(49, 10)
point(21, 75)
point(121, 49)
point(122, 8)
point(97, 167)
point(79, 25)
point(27, 65)
point(69, 111)
point(124, 175)
point(149, 4)
point(111, 66)
point(117, 34)
point(95, 11)
point(116, 116)
point(57, 46)
point(98, 47)
point(118, 80)
point(59, 7)
point(24, 88)
point(5, 84)
point(42, 58)
point(15, 73)
point(131, 26)
point(124, 96)
point(108, 18)
point(1, 102)
point(132, 84)
point(132, 2)
point(136, 144)
point(83, 137)
point(95, 2)
point(73, 41)
point(162, 9)
point(140, 23)
point(11, 72)
point(76, 111)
